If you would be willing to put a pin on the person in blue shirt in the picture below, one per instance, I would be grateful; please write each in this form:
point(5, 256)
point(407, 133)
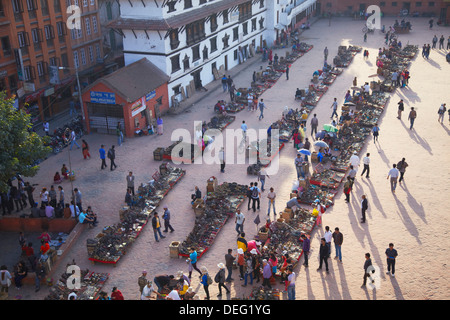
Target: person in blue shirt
point(81, 217)
point(103, 156)
point(193, 262)
point(204, 281)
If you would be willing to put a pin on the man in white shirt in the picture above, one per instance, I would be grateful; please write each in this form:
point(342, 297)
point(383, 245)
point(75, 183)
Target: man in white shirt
point(354, 161)
point(271, 196)
point(73, 139)
point(328, 235)
point(366, 162)
point(46, 128)
point(173, 295)
point(147, 291)
point(75, 211)
point(240, 218)
point(393, 173)
point(291, 286)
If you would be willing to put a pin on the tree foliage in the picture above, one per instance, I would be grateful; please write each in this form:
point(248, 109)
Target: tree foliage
point(19, 148)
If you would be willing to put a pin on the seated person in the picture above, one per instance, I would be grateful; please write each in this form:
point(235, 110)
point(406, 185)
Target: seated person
point(91, 217)
point(129, 198)
point(447, 57)
point(196, 195)
point(49, 212)
point(67, 213)
point(65, 172)
point(44, 247)
point(42, 211)
point(303, 26)
point(82, 217)
point(327, 152)
point(35, 211)
point(298, 93)
point(74, 210)
point(57, 178)
point(139, 132)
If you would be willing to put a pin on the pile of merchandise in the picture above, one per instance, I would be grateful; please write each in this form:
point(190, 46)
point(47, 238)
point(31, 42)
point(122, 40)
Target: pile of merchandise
point(219, 206)
point(112, 243)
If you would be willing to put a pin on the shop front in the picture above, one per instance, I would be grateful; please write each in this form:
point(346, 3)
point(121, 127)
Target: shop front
point(134, 96)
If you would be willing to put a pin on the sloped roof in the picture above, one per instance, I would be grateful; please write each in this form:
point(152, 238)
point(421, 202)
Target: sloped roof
point(175, 21)
point(134, 80)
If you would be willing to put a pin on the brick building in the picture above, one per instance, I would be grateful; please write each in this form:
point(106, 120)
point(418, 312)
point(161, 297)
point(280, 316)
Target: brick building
point(36, 41)
point(437, 8)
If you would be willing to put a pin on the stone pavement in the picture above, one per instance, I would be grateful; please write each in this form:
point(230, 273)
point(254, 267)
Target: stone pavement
point(413, 219)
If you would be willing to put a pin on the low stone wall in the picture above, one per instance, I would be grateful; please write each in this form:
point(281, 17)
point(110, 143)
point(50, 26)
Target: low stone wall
point(37, 224)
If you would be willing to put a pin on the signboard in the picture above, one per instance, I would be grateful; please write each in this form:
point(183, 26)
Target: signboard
point(137, 107)
point(150, 95)
point(54, 75)
point(49, 91)
point(103, 97)
point(29, 86)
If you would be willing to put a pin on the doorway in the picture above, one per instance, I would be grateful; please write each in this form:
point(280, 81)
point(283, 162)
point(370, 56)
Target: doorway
point(226, 62)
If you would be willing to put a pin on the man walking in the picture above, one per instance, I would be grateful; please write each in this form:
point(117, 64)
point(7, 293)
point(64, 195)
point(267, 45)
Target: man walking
point(375, 132)
point(267, 274)
point(325, 54)
point(352, 175)
point(412, 116)
point(222, 160)
point(441, 112)
point(239, 221)
point(401, 166)
point(73, 139)
point(314, 125)
point(262, 106)
point(112, 156)
point(166, 218)
point(229, 259)
point(103, 157)
point(244, 131)
point(262, 177)
point(338, 239)
point(231, 90)
point(220, 277)
point(334, 106)
point(229, 83)
point(256, 194)
point(400, 109)
point(366, 162)
point(306, 247)
point(367, 264)
point(224, 83)
point(435, 39)
point(323, 255)
point(130, 182)
point(156, 224)
point(391, 255)
point(347, 189)
point(441, 42)
point(287, 72)
point(364, 207)
point(393, 173)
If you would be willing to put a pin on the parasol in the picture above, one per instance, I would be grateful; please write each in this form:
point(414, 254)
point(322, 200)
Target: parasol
point(321, 144)
point(304, 151)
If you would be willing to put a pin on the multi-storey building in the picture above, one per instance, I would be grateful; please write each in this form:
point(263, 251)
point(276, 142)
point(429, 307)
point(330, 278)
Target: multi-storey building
point(437, 8)
point(36, 41)
point(109, 10)
point(283, 15)
point(190, 39)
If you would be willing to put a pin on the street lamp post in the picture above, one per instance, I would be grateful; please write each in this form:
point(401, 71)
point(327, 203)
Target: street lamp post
point(79, 87)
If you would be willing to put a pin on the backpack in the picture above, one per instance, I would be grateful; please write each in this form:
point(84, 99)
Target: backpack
point(208, 279)
point(255, 193)
point(323, 209)
point(217, 277)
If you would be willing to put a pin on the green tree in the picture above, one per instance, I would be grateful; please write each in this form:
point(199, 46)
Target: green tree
point(19, 148)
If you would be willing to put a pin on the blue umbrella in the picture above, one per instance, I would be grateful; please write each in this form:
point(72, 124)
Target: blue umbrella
point(321, 144)
point(304, 151)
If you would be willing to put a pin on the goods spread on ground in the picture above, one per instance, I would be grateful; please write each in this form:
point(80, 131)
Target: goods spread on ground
point(90, 286)
point(220, 205)
point(112, 243)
